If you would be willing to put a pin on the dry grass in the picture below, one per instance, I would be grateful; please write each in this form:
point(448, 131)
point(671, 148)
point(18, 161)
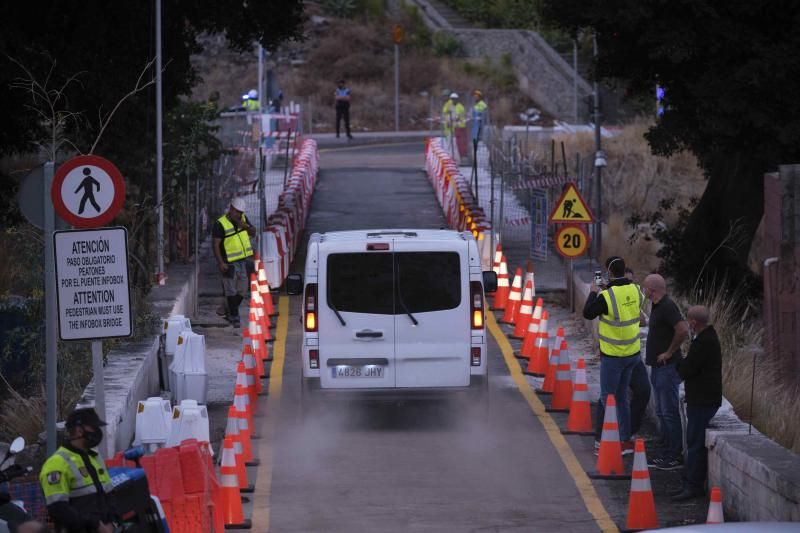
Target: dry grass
point(775, 408)
point(635, 182)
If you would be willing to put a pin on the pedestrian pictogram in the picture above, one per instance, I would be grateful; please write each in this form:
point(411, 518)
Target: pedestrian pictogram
point(88, 191)
point(572, 241)
point(571, 208)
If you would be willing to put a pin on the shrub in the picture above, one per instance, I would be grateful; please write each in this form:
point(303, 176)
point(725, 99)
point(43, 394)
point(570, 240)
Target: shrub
point(446, 45)
point(341, 8)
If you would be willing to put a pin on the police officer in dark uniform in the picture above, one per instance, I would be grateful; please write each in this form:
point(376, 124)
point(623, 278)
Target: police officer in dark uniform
point(75, 479)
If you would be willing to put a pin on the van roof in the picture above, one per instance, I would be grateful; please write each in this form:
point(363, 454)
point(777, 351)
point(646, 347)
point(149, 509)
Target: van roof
point(378, 234)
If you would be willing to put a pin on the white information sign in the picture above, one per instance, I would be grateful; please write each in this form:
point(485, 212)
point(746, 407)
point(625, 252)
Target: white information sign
point(92, 278)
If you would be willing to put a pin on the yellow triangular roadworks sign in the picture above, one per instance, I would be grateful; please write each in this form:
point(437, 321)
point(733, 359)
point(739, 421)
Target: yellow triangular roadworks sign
point(571, 208)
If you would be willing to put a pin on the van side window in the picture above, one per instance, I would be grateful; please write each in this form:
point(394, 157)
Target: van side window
point(429, 281)
point(361, 283)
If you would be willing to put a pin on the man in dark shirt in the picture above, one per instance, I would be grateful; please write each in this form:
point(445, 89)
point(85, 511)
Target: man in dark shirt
point(667, 330)
point(701, 371)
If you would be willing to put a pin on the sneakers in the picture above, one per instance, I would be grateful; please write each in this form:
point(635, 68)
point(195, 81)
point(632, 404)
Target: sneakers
point(666, 463)
point(628, 447)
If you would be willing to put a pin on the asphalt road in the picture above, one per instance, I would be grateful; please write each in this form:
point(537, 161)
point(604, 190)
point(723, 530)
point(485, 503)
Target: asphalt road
point(419, 465)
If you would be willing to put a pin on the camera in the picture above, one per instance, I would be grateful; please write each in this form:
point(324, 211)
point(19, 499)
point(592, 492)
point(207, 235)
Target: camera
point(598, 278)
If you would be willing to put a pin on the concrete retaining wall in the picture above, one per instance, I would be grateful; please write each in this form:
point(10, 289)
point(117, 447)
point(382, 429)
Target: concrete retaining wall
point(131, 371)
point(542, 73)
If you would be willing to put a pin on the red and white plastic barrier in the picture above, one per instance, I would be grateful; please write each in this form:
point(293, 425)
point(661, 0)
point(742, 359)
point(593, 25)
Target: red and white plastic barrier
point(455, 196)
point(280, 238)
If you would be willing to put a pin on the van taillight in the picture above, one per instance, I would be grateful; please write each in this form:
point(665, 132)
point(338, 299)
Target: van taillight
point(313, 359)
point(475, 356)
point(311, 307)
point(476, 297)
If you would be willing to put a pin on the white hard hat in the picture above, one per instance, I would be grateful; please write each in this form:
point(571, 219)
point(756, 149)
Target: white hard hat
point(245, 96)
point(253, 94)
point(453, 95)
point(238, 204)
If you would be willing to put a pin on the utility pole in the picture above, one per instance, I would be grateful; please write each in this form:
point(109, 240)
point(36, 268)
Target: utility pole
point(159, 151)
point(261, 81)
point(396, 87)
point(51, 311)
point(599, 160)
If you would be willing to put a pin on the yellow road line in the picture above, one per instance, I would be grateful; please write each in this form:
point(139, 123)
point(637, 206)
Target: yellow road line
point(582, 482)
point(263, 485)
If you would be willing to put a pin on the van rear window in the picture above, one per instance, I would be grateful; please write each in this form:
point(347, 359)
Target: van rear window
point(370, 283)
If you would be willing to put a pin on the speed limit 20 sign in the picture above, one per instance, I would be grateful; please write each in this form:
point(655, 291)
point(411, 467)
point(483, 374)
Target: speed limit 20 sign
point(572, 241)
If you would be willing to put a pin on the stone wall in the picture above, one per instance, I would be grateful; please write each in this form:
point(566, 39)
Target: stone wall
point(543, 74)
point(781, 274)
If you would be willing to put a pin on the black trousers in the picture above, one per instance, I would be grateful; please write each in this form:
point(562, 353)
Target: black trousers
point(343, 112)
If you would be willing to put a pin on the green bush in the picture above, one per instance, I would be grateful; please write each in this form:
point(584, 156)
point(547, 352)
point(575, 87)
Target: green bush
point(341, 8)
point(446, 45)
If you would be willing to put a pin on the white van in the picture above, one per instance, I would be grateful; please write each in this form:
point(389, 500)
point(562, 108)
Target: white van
point(393, 310)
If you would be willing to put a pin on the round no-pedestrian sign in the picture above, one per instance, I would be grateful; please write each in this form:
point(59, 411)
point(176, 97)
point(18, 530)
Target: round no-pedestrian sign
point(88, 191)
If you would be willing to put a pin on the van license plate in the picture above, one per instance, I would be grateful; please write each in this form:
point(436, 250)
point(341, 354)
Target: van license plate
point(348, 371)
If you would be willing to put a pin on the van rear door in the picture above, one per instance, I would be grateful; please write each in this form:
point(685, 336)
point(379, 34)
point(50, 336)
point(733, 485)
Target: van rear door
point(357, 346)
point(432, 288)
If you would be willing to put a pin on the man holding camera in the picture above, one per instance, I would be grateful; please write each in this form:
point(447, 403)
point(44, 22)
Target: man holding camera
point(618, 306)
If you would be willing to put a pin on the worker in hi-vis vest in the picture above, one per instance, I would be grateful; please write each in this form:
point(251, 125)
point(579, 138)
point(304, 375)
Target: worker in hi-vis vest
point(618, 306)
point(232, 249)
point(478, 114)
point(75, 479)
point(454, 121)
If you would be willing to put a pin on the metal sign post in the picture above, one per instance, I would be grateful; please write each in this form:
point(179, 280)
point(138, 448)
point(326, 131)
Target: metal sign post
point(99, 388)
point(51, 312)
point(396, 87)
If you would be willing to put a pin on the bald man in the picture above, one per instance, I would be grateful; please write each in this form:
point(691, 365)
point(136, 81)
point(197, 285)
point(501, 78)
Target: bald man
point(701, 371)
point(667, 331)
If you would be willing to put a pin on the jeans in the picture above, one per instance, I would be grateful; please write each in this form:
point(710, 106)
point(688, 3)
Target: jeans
point(615, 377)
point(697, 419)
point(343, 112)
point(640, 387)
point(665, 380)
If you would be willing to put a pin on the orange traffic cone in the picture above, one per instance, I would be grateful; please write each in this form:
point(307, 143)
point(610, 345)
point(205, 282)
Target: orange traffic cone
point(501, 294)
point(524, 313)
point(241, 470)
point(579, 421)
point(251, 369)
point(230, 496)
point(562, 392)
point(514, 297)
point(257, 303)
point(498, 257)
point(529, 276)
point(241, 400)
point(245, 427)
point(529, 342)
point(715, 515)
point(263, 288)
point(641, 506)
point(549, 383)
point(609, 460)
point(241, 441)
point(537, 364)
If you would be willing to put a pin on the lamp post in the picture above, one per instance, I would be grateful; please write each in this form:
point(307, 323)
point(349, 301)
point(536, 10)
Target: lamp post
point(600, 161)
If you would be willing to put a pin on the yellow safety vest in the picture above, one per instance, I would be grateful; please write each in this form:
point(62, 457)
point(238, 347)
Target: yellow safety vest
point(65, 477)
point(619, 329)
point(459, 117)
point(236, 247)
point(251, 105)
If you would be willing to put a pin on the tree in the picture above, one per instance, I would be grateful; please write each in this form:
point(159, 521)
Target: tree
point(731, 71)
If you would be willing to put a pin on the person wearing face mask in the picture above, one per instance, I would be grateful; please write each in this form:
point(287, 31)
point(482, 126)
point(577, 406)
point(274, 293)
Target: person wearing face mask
point(618, 306)
point(75, 479)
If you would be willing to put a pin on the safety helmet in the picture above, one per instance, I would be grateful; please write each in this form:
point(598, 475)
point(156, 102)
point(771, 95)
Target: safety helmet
point(253, 94)
point(245, 96)
point(477, 93)
point(453, 95)
point(238, 204)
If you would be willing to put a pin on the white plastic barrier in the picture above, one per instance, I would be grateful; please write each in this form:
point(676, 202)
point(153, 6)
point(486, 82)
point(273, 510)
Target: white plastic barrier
point(153, 423)
point(285, 225)
point(189, 421)
point(173, 327)
point(189, 379)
